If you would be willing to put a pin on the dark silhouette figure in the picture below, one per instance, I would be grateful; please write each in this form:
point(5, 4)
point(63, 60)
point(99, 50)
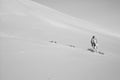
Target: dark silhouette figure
point(94, 43)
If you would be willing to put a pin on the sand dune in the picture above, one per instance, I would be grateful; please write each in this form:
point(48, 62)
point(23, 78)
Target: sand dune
point(40, 43)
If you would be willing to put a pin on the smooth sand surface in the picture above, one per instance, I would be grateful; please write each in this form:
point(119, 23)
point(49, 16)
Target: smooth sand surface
point(39, 43)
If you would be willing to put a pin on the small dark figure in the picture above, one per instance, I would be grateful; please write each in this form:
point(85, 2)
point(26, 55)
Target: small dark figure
point(72, 46)
point(53, 41)
point(94, 43)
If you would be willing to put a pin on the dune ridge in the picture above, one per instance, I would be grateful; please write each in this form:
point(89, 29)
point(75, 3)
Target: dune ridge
point(40, 43)
point(59, 19)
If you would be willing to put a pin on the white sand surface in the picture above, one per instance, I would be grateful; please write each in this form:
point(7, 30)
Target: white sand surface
point(26, 52)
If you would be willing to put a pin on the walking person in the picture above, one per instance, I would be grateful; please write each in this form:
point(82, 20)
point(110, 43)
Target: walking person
point(94, 43)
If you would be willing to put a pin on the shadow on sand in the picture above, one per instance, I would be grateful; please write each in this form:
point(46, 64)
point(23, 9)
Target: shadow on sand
point(91, 50)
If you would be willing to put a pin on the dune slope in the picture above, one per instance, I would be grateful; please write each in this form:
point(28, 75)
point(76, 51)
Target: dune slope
point(26, 32)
